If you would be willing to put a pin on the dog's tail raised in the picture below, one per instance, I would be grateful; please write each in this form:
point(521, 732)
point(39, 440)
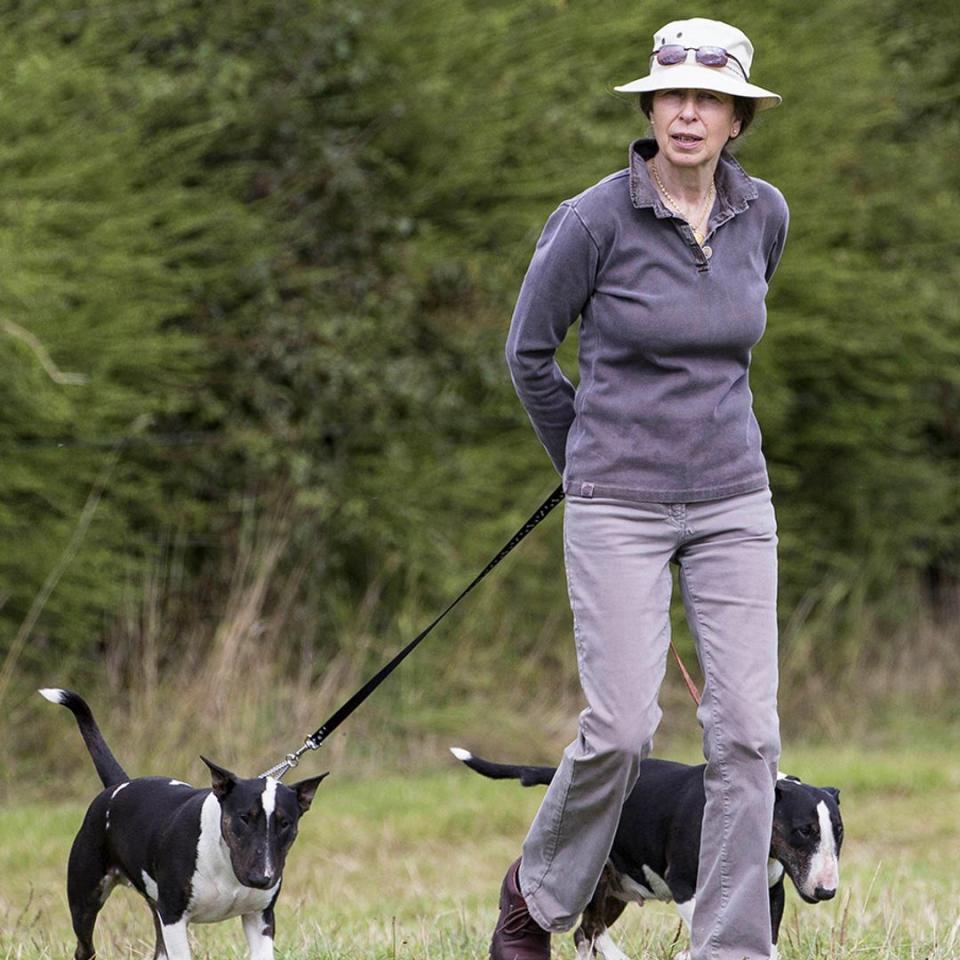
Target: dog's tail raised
point(111, 773)
point(527, 775)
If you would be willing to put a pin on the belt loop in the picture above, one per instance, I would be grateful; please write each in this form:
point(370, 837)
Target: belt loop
point(586, 489)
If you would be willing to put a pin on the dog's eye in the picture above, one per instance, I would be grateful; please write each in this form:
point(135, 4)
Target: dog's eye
point(282, 823)
point(807, 831)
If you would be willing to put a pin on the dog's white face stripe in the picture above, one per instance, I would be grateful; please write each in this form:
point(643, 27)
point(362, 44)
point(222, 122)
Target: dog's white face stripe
point(269, 797)
point(269, 800)
point(824, 869)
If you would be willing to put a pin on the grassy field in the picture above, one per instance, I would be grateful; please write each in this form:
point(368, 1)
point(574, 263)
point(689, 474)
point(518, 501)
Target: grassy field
point(409, 867)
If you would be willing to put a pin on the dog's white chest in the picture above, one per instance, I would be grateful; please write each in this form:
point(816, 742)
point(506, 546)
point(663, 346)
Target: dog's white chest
point(216, 894)
point(216, 899)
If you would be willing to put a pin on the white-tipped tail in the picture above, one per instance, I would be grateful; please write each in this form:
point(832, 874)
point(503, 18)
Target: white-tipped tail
point(53, 694)
point(461, 754)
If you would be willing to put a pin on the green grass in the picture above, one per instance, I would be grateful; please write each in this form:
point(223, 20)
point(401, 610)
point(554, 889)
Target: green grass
point(410, 866)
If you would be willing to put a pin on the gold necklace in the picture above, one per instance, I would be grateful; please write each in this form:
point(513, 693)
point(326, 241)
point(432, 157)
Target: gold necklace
point(704, 210)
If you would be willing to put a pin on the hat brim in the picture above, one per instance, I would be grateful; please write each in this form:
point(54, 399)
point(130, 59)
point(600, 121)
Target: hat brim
point(693, 76)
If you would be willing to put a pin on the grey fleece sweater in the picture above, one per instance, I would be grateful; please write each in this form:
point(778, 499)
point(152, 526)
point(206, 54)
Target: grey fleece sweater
point(663, 410)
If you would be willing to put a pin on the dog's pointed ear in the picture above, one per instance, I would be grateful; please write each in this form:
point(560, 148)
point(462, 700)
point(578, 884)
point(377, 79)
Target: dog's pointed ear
point(222, 780)
point(834, 792)
point(783, 780)
point(306, 791)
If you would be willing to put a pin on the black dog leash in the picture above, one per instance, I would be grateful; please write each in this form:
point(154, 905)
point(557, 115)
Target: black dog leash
point(316, 738)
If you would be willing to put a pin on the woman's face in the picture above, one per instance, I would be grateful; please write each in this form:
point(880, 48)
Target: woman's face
point(692, 126)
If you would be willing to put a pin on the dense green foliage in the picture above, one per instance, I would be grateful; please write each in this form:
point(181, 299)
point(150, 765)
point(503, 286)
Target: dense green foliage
point(280, 243)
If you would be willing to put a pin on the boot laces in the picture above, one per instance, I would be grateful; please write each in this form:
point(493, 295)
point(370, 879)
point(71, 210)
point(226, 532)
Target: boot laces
point(519, 922)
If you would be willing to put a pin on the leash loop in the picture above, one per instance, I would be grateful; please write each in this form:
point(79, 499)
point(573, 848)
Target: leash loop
point(315, 739)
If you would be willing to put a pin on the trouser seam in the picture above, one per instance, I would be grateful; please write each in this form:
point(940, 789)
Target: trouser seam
point(557, 825)
point(555, 831)
point(720, 754)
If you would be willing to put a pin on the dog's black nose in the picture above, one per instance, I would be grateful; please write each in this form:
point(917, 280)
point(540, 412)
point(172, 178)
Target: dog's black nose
point(259, 881)
point(821, 893)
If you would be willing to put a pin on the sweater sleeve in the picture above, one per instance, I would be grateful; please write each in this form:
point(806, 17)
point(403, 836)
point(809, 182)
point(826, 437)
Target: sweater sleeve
point(558, 283)
point(776, 250)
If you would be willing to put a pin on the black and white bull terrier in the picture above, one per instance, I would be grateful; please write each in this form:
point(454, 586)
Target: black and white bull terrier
point(656, 849)
point(196, 856)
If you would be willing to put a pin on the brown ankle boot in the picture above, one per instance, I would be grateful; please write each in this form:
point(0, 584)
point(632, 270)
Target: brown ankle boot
point(517, 935)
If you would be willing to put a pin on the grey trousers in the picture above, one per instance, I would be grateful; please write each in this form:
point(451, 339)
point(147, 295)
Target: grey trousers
point(618, 556)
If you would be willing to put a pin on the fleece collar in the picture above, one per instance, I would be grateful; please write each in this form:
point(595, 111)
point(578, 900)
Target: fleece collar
point(735, 189)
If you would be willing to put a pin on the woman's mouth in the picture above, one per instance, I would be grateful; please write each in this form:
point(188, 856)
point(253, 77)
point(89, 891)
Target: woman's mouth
point(686, 139)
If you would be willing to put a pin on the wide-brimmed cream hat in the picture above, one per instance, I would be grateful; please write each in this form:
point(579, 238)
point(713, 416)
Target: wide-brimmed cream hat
point(698, 41)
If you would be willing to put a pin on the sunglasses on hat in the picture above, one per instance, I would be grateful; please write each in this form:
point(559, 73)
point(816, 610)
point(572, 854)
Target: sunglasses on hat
point(672, 53)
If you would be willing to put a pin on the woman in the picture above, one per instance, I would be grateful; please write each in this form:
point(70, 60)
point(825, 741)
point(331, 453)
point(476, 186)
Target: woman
point(667, 263)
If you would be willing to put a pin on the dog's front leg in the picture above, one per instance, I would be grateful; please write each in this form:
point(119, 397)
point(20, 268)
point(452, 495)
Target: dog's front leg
point(176, 945)
point(160, 951)
point(259, 928)
point(685, 909)
point(777, 900)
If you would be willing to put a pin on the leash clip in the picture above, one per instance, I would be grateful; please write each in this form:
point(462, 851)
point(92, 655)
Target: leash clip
point(292, 760)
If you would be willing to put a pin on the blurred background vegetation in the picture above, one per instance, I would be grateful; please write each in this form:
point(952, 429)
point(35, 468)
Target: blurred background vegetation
point(255, 425)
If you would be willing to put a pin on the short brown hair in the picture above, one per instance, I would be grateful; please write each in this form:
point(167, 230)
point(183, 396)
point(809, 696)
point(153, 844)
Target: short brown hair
point(744, 109)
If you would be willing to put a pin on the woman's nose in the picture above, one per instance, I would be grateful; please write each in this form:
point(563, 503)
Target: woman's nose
point(688, 109)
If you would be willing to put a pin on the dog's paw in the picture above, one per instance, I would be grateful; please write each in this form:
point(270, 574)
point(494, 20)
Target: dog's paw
point(584, 949)
point(608, 949)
